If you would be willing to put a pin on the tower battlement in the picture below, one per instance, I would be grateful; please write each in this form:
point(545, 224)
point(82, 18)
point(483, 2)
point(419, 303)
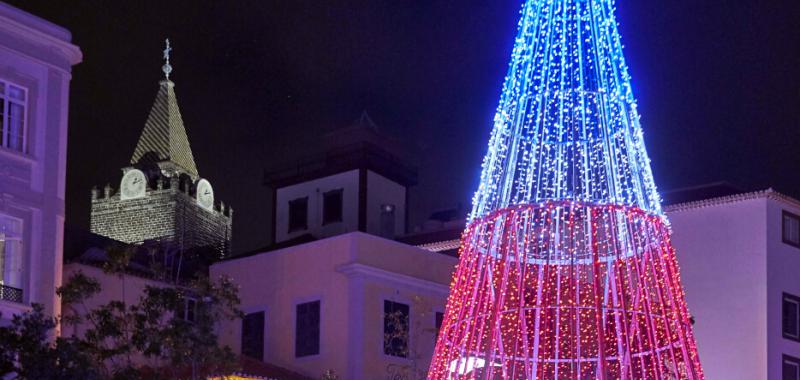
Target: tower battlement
point(159, 187)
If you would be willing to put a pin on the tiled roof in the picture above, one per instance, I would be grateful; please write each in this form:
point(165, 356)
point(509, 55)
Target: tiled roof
point(768, 194)
point(164, 136)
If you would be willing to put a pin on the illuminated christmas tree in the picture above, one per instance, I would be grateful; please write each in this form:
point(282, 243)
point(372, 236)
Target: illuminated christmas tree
point(566, 268)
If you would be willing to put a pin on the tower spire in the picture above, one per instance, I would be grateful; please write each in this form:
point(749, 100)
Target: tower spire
point(164, 138)
point(167, 68)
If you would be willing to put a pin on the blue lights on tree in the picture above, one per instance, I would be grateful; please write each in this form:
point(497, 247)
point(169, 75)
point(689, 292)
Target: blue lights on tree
point(567, 126)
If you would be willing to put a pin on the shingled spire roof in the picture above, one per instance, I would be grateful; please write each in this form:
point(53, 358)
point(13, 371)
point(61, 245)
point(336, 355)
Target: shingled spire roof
point(164, 136)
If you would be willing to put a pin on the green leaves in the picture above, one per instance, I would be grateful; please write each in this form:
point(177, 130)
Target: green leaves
point(27, 352)
point(149, 339)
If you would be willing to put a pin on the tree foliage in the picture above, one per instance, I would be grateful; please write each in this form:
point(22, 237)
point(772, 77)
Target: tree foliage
point(27, 353)
point(148, 339)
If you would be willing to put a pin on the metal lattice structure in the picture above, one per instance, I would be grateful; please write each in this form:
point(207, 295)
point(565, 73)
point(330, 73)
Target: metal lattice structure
point(566, 269)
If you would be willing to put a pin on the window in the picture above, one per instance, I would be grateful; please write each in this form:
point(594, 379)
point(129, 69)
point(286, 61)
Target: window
point(395, 329)
point(332, 206)
point(791, 317)
point(13, 105)
point(11, 259)
point(791, 229)
point(438, 322)
point(387, 221)
point(187, 310)
point(791, 368)
point(253, 335)
point(298, 214)
point(307, 334)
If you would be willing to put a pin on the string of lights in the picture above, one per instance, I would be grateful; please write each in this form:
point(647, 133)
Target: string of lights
point(566, 269)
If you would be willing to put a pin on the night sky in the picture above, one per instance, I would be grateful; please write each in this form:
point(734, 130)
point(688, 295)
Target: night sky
point(717, 82)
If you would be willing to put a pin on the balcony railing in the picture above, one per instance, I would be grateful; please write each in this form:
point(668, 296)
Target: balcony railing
point(10, 293)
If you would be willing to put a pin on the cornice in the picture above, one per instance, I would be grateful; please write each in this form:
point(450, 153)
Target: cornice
point(354, 269)
point(39, 32)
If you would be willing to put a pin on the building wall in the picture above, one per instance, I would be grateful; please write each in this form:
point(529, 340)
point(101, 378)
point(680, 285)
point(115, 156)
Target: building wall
point(135, 220)
point(162, 213)
point(351, 274)
point(379, 191)
point(275, 282)
point(783, 275)
point(127, 288)
point(201, 227)
point(39, 56)
point(722, 252)
point(347, 181)
point(388, 270)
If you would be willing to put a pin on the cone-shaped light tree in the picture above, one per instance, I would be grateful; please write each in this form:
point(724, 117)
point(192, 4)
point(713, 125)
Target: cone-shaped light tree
point(566, 268)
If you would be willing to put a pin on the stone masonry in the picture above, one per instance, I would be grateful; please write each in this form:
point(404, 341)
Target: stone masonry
point(167, 213)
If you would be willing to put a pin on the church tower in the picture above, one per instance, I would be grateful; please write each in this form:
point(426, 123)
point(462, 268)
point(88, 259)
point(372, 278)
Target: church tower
point(161, 195)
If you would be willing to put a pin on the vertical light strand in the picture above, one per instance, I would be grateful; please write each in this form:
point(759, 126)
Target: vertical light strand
point(566, 269)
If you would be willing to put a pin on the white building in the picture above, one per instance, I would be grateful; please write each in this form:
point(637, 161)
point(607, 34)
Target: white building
point(36, 59)
point(740, 265)
point(335, 292)
point(361, 305)
point(357, 184)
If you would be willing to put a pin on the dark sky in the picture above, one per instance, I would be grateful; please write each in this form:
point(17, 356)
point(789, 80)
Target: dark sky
point(718, 85)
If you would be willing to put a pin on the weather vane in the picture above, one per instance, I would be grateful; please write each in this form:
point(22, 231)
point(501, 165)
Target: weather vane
point(167, 68)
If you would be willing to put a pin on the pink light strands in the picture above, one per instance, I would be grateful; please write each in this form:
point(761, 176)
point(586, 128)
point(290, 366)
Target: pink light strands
point(566, 269)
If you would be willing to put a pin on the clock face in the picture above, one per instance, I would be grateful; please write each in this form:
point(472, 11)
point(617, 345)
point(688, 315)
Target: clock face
point(205, 194)
point(134, 184)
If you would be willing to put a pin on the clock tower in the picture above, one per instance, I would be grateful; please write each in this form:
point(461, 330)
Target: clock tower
point(161, 195)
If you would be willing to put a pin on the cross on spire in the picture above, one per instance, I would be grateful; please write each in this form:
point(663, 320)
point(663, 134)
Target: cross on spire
point(167, 69)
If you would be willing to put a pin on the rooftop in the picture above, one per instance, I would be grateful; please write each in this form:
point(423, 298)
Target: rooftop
point(359, 155)
point(695, 193)
point(736, 197)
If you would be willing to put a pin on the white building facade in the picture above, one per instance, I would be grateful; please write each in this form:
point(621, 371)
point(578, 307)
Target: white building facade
point(361, 305)
point(36, 59)
point(740, 266)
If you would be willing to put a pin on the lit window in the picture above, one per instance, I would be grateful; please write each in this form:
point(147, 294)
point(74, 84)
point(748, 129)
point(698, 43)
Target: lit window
point(395, 329)
point(298, 214)
point(13, 107)
point(332, 206)
point(307, 329)
point(791, 229)
point(253, 335)
point(791, 368)
point(791, 317)
point(11, 259)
